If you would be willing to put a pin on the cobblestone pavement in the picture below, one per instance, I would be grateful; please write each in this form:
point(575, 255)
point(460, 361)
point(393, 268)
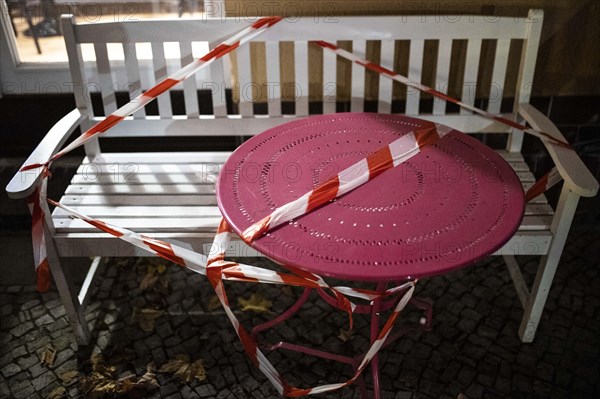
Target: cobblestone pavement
point(473, 350)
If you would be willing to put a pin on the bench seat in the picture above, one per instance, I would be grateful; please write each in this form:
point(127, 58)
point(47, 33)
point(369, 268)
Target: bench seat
point(171, 196)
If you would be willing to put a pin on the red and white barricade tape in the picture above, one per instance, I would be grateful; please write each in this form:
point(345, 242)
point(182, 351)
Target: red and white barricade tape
point(215, 266)
point(218, 270)
point(544, 184)
point(421, 87)
point(38, 235)
point(143, 99)
point(393, 154)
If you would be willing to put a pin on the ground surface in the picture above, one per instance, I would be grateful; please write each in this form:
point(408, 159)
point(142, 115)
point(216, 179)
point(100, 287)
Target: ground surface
point(473, 349)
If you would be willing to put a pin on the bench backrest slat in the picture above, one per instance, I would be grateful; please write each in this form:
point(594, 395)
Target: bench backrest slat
point(451, 53)
point(159, 64)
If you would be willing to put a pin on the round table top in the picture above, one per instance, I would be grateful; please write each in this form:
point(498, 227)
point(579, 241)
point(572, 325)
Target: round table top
point(447, 207)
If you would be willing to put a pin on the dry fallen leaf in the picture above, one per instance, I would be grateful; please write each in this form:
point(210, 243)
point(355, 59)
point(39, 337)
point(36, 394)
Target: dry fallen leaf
point(57, 393)
point(102, 382)
point(185, 370)
point(49, 356)
point(256, 303)
point(148, 281)
point(154, 279)
point(69, 376)
point(214, 303)
point(146, 318)
point(344, 334)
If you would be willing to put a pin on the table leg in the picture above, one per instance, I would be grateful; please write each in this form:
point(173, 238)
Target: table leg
point(375, 309)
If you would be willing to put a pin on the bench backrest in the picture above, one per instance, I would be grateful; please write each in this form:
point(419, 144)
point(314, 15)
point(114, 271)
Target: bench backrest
point(281, 73)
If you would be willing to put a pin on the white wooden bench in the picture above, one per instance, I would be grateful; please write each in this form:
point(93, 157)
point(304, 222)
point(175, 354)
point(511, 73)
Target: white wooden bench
point(171, 195)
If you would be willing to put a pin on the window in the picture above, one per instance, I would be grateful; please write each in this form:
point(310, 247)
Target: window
point(34, 58)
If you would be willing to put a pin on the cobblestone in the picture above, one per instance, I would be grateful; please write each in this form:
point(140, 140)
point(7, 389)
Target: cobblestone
point(472, 351)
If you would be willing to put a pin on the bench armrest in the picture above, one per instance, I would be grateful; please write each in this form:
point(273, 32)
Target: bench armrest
point(24, 184)
point(572, 169)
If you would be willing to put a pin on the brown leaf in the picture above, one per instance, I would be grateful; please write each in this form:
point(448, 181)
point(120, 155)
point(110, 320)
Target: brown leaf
point(69, 376)
point(102, 382)
point(256, 303)
point(213, 303)
point(49, 356)
point(148, 281)
point(154, 279)
point(344, 334)
point(57, 393)
point(185, 370)
point(146, 318)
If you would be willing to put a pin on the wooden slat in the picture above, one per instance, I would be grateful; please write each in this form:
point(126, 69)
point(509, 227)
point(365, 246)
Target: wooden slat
point(358, 77)
point(132, 69)
point(141, 200)
point(536, 222)
point(498, 75)
point(217, 87)
point(103, 244)
point(442, 74)
point(234, 125)
point(143, 225)
point(329, 82)
point(385, 85)
point(510, 155)
point(530, 223)
point(147, 189)
point(109, 101)
point(345, 28)
point(301, 77)
point(538, 209)
point(141, 211)
point(129, 171)
point(273, 78)
point(147, 178)
point(162, 158)
point(527, 243)
point(244, 70)
point(190, 91)
point(470, 75)
point(414, 73)
point(159, 64)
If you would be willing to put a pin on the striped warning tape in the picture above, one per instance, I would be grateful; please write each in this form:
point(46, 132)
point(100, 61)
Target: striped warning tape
point(218, 270)
point(389, 156)
point(419, 86)
point(215, 266)
point(38, 235)
point(544, 184)
point(143, 99)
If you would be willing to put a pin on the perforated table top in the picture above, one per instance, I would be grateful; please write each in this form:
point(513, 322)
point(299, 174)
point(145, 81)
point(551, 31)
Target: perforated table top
point(450, 205)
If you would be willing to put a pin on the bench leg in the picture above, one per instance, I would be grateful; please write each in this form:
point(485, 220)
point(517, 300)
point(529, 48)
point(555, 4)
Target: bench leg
point(545, 274)
point(68, 294)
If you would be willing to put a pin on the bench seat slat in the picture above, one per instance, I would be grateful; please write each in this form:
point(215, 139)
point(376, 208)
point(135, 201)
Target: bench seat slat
point(141, 200)
point(142, 225)
point(145, 178)
point(135, 168)
point(152, 189)
point(160, 157)
point(101, 211)
point(210, 223)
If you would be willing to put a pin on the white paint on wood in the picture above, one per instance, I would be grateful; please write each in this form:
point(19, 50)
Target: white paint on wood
point(301, 77)
point(442, 75)
point(358, 77)
point(415, 60)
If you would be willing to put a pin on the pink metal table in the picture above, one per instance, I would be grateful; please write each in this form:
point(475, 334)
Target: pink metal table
point(447, 207)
